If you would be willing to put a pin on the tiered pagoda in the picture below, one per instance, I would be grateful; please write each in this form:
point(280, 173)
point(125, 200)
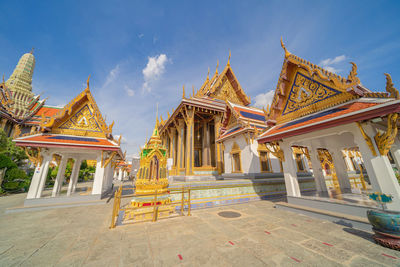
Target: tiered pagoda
point(19, 106)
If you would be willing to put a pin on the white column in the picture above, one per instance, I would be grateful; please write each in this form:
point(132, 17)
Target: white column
point(74, 175)
point(290, 172)
point(43, 176)
point(341, 169)
point(120, 174)
point(379, 169)
point(98, 178)
point(60, 176)
point(33, 188)
point(319, 178)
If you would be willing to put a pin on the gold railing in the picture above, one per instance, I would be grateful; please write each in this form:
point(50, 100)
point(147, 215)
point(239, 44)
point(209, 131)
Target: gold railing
point(185, 200)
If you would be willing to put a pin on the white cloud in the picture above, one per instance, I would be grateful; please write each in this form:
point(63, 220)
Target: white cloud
point(263, 100)
point(327, 63)
point(129, 91)
point(154, 69)
point(112, 75)
point(123, 139)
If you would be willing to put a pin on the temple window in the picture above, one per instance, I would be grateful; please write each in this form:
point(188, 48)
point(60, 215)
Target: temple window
point(299, 162)
point(265, 162)
point(236, 162)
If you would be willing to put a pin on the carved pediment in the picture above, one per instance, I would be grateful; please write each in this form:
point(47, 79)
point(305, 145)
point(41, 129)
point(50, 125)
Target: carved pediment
point(82, 120)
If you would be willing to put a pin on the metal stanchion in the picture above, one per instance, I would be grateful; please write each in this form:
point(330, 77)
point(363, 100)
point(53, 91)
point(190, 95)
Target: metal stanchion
point(183, 200)
point(189, 205)
point(155, 207)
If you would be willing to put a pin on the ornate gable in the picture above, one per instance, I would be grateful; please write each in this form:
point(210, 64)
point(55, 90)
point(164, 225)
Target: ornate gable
point(224, 86)
point(227, 88)
point(305, 88)
point(80, 117)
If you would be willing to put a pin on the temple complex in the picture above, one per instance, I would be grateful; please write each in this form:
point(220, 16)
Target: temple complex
point(19, 106)
point(79, 132)
point(340, 123)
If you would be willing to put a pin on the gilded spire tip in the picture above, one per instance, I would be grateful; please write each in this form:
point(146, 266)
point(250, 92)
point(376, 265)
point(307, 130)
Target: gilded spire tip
point(216, 69)
point(287, 53)
point(87, 82)
point(183, 91)
point(229, 58)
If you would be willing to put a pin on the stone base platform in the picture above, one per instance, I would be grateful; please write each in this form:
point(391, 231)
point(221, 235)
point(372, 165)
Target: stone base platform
point(207, 194)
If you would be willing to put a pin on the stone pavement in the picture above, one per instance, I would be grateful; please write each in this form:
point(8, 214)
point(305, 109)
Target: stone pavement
point(261, 236)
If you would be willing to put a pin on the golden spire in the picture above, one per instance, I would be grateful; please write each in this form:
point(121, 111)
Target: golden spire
point(183, 91)
point(390, 87)
point(287, 53)
point(208, 74)
point(87, 82)
point(216, 69)
point(229, 58)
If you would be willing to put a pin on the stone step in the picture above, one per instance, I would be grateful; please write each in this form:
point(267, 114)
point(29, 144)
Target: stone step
point(335, 217)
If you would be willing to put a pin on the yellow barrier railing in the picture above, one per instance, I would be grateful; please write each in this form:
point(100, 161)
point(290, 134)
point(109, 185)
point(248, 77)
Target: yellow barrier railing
point(155, 211)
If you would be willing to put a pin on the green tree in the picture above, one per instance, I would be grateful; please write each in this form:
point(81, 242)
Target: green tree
point(8, 148)
point(11, 158)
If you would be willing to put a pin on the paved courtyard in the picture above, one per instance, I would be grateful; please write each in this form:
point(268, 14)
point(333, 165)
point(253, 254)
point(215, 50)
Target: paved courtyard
point(261, 236)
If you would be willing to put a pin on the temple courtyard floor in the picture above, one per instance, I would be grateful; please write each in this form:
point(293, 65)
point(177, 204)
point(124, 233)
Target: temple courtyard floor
point(261, 236)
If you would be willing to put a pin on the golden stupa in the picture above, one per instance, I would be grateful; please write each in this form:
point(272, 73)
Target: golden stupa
point(152, 175)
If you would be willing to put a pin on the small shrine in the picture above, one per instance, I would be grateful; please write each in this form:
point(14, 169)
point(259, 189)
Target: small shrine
point(78, 132)
point(151, 182)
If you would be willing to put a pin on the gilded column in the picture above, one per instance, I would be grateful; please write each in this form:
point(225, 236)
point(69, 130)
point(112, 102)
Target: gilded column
point(218, 156)
point(206, 145)
point(189, 141)
point(171, 143)
point(180, 155)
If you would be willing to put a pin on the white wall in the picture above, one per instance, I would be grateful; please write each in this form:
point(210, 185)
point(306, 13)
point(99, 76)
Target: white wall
point(249, 156)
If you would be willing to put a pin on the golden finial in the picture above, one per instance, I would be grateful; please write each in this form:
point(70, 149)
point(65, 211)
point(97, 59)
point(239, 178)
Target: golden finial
point(183, 91)
point(161, 118)
point(353, 73)
point(168, 114)
point(32, 50)
point(119, 139)
point(287, 53)
point(216, 69)
point(208, 74)
point(229, 58)
point(390, 87)
point(87, 82)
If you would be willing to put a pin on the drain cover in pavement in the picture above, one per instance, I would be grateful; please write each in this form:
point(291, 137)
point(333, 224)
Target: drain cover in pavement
point(229, 214)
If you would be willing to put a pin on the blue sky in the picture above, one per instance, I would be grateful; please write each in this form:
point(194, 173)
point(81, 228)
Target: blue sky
point(139, 53)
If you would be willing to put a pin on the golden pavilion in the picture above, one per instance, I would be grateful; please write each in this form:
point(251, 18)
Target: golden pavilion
point(190, 132)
